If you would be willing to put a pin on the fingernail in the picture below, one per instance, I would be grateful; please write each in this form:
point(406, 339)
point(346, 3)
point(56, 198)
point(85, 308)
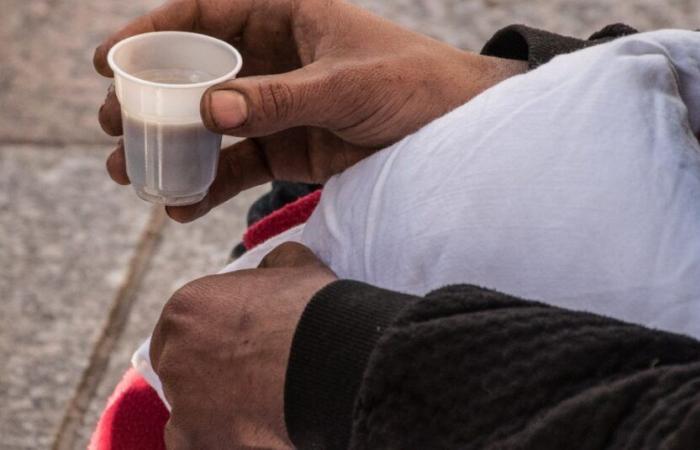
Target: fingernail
point(228, 109)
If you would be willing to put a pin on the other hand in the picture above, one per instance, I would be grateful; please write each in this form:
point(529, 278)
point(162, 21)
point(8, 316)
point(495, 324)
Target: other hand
point(221, 349)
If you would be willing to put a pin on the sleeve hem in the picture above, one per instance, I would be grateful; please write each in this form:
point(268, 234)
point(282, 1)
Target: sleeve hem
point(332, 344)
point(538, 47)
point(535, 46)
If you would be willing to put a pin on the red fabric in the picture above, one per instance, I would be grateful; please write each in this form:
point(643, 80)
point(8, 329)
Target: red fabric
point(279, 221)
point(135, 417)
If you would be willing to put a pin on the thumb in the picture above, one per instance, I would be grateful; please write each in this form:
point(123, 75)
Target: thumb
point(290, 254)
point(263, 105)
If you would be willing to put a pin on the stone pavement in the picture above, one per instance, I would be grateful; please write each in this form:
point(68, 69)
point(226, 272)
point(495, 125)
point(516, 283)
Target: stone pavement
point(86, 265)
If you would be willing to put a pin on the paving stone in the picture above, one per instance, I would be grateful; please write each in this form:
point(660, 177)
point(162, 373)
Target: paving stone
point(186, 252)
point(66, 236)
point(48, 88)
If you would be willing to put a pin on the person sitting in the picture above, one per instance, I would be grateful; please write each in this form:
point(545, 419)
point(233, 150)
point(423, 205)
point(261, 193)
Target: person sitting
point(574, 183)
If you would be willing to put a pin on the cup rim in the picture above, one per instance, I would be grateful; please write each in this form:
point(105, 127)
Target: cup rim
point(122, 73)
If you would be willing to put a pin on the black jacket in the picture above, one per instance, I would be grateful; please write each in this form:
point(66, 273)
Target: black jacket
point(469, 368)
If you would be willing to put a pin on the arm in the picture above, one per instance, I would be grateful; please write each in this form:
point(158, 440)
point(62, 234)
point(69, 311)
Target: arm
point(287, 354)
point(515, 42)
point(465, 367)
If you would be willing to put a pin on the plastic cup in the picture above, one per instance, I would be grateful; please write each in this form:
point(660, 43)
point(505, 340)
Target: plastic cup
point(159, 79)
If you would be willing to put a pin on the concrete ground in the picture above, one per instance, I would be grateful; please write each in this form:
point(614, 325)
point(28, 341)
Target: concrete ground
point(86, 266)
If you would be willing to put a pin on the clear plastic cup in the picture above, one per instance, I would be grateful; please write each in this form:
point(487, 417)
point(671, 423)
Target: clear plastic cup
point(159, 79)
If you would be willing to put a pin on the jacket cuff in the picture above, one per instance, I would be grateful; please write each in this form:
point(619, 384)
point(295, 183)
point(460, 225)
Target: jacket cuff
point(538, 47)
point(332, 344)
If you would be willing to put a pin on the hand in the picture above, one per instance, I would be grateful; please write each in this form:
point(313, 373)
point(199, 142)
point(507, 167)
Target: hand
point(221, 349)
point(324, 85)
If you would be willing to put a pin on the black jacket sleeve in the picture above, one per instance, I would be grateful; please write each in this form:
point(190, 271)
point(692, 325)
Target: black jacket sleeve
point(537, 47)
point(469, 368)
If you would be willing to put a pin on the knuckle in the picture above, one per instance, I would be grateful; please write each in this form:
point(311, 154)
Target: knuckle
point(275, 256)
point(188, 298)
point(268, 260)
point(346, 79)
point(277, 99)
point(271, 258)
point(283, 251)
point(184, 318)
point(173, 330)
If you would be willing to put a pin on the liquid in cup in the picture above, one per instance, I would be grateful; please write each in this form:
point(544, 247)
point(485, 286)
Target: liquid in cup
point(170, 163)
point(171, 158)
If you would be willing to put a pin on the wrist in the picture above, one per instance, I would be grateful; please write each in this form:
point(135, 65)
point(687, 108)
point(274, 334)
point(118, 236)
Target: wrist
point(483, 72)
point(331, 348)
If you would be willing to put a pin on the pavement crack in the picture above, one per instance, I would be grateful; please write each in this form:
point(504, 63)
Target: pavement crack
point(116, 321)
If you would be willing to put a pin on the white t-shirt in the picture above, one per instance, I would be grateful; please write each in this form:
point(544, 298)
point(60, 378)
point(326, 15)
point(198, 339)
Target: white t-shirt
point(576, 184)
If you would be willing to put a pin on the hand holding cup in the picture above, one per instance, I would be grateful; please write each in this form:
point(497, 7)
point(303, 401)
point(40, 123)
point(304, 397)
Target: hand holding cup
point(160, 77)
point(323, 85)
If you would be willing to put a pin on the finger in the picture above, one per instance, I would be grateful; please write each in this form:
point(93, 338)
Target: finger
point(290, 254)
point(241, 166)
point(196, 429)
point(200, 16)
point(263, 105)
point(110, 115)
point(174, 437)
point(116, 165)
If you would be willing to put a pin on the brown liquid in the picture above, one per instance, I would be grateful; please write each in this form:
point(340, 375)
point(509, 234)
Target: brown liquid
point(170, 160)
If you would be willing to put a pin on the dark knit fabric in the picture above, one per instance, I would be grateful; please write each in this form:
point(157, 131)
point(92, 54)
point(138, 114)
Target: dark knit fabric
point(539, 47)
point(613, 31)
point(329, 354)
point(470, 368)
